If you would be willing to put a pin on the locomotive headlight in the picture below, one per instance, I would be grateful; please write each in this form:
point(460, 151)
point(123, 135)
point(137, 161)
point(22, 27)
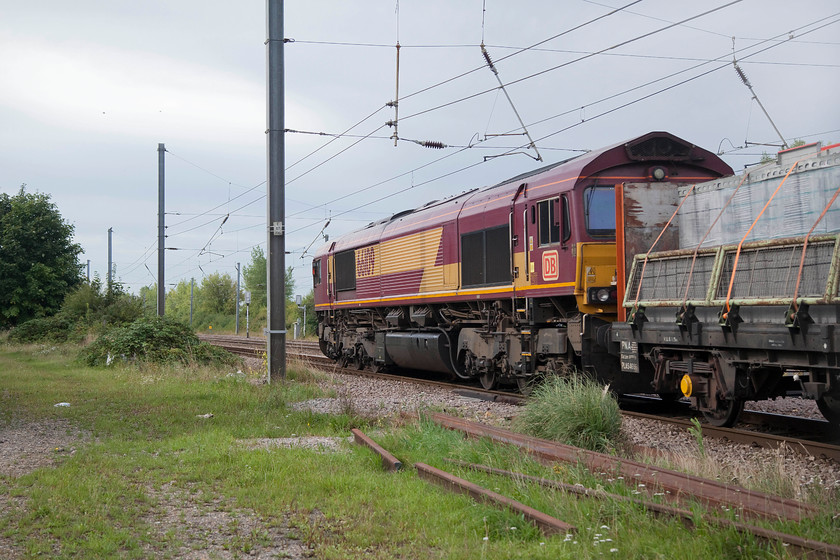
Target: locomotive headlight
point(602, 295)
point(659, 173)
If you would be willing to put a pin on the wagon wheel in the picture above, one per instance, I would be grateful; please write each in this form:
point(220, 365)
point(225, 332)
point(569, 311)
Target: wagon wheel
point(726, 414)
point(829, 405)
point(489, 379)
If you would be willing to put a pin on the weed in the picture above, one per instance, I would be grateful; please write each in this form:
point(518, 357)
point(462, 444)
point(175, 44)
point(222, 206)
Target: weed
point(576, 411)
point(696, 430)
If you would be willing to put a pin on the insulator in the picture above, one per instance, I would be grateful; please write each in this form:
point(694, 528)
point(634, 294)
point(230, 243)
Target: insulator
point(487, 57)
point(742, 76)
point(433, 144)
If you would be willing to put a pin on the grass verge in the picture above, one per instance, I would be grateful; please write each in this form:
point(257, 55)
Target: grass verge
point(154, 477)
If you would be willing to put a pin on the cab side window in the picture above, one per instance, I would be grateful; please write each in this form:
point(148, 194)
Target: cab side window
point(316, 271)
point(549, 224)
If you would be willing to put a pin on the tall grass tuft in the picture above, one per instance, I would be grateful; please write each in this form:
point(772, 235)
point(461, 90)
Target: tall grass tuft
point(575, 410)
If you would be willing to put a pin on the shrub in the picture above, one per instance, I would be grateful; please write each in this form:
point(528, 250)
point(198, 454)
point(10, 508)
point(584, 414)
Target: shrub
point(154, 339)
point(574, 410)
point(48, 329)
point(95, 306)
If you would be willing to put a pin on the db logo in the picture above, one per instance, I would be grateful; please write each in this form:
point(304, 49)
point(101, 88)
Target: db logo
point(550, 269)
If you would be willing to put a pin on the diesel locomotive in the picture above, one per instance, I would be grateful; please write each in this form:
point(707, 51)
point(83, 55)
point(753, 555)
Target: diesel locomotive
point(526, 278)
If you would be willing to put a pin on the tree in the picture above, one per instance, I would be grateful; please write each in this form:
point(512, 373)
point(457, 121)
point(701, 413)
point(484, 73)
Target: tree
point(178, 301)
point(217, 294)
point(255, 278)
point(39, 263)
point(148, 299)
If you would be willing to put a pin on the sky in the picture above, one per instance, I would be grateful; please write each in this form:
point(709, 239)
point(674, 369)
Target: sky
point(88, 89)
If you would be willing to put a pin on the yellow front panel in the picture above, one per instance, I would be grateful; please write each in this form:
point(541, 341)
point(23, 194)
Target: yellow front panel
point(595, 268)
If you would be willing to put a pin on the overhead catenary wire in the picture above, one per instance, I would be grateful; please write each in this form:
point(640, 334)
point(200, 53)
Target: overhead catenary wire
point(482, 146)
point(570, 62)
point(756, 99)
point(378, 184)
point(523, 49)
point(168, 151)
point(722, 66)
point(375, 185)
point(533, 75)
point(512, 105)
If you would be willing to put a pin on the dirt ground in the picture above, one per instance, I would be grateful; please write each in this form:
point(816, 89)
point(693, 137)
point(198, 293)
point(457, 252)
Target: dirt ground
point(183, 523)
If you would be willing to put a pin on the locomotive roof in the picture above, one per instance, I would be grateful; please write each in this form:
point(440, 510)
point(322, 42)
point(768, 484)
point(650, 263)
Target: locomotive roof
point(653, 146)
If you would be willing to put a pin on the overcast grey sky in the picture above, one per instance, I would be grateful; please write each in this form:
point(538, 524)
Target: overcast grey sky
point(89, 88)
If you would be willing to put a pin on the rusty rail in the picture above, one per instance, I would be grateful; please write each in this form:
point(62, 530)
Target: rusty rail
point(549, 525)
point(390, 462)
point(709, 492)
point(802, 545)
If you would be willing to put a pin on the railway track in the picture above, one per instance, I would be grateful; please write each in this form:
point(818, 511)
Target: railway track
point(803, 435)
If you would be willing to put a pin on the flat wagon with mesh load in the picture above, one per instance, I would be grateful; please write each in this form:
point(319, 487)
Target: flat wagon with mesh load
point(734, 297)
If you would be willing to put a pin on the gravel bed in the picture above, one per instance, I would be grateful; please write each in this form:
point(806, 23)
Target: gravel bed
point(28, 445)
point(793, 406)
point(376, 398)
point(659, 442)
point(188, 525)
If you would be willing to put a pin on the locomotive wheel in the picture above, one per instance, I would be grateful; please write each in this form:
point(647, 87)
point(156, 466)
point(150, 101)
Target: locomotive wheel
point(359, 358)
point(467, 362)
point(489, 379)
point(830, 407)
point(726, 414)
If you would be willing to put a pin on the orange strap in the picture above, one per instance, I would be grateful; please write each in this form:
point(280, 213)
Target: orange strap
point(708, 231)
point(805, 245)
point(738, 252)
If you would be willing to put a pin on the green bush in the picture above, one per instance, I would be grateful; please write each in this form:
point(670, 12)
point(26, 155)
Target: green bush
point(157, 340)
point(48, 329)
point(95, 306)
point(576, 411)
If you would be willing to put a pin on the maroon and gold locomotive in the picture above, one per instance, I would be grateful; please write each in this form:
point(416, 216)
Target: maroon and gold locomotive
point(500, 284)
